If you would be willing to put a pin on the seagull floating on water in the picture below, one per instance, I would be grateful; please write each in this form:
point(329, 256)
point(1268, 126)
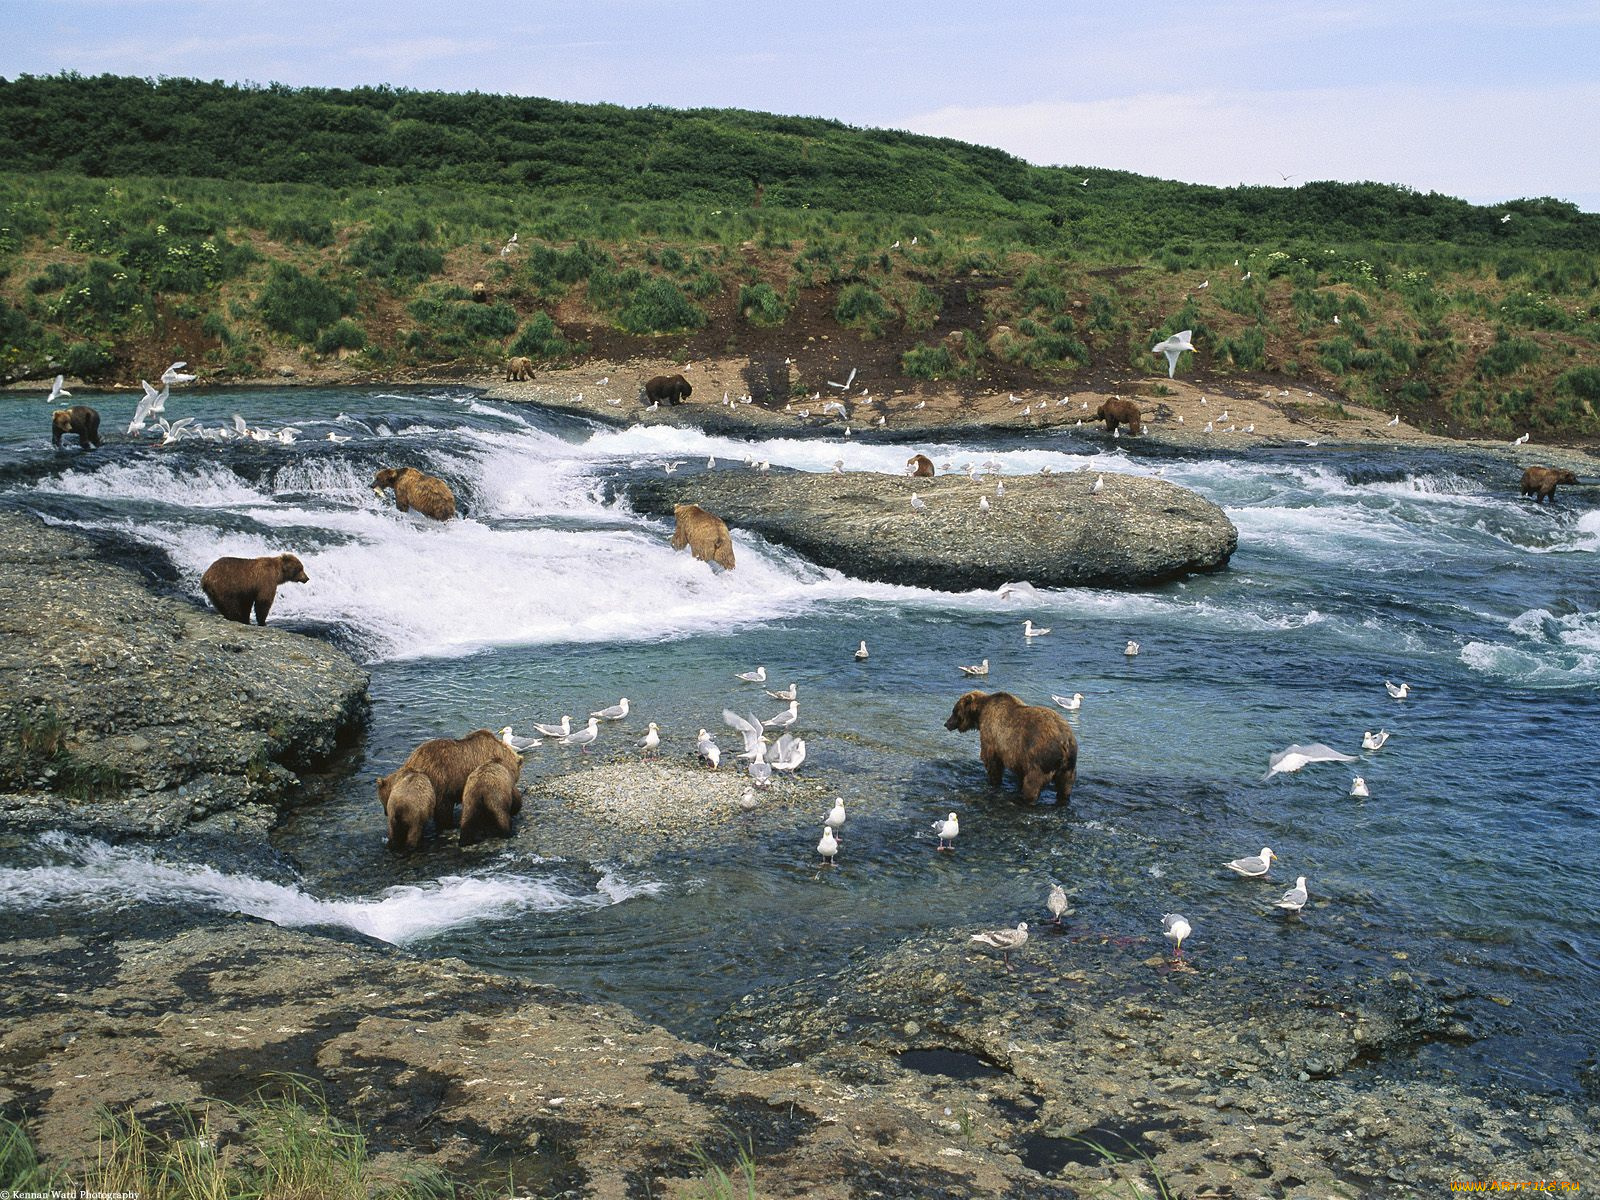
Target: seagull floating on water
point(792, 692)
point(759, 675)
point(519, 744)
point(1358, 788)
point(1398, 690)
point(1175, 927)
point(786, 718)
point(1294, 757)
point(1131, 649)
point(861, 651)
point(1253, 865)
point(1071, 703)
point(1173, 347)
point(981, 669)
point(1295, 898)
point(614, 713)
point(1029, 629)
point(1374, 741)
point(336, 439)
point(1004, 940)
point(948, 830)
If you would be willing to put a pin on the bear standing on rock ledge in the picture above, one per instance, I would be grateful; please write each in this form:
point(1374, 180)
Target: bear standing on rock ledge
point(235, 585)
point(1119, 411)
point(1034, 743)
point(674, 389)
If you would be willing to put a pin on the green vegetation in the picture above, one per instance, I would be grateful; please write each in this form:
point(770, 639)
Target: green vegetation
point(242, 226)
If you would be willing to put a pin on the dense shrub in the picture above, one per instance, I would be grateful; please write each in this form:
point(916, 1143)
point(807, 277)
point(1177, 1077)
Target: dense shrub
point(541, 338)
point(301, 305)
point(342, 335)
point(928, 362)
point(658, 306)
point(397, 252)
point(1508, 355)
point(862, 306)
point(760, 304)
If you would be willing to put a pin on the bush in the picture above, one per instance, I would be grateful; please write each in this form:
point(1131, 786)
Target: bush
point(1248, 350)
point(297, 227)
point(86, 360)
point(397, 253)
point(1581, 382)
point(760, 304)
point(1507, 356)
point(927, 362)
point(345, 335)
point(862, 306)
point(542, 338)
point(298, 304)
point(658, 306)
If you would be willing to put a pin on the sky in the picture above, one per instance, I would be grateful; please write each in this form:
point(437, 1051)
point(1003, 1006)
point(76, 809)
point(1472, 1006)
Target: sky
point(1487, 101)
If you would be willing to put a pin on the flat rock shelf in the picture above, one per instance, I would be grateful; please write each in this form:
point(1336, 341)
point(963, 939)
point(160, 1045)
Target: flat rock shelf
point(1051, 530)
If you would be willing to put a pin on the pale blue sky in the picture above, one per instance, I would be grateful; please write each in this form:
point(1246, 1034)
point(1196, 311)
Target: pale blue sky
point(1486, 101)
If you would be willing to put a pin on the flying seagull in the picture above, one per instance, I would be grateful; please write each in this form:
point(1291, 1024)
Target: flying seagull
point(1173, 347)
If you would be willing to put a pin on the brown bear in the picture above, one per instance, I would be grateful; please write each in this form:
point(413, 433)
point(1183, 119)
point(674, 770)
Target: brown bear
point(412, 489)
point(519, 369)
point(79, 419)
point(705, 535)
point(919, 465)
point(1034, 743)
point(488, 802)
point(1118, 411)
point(447, 762)
point(235, 585)
point(480, 292)
point(1540, 482)
point(674, 389)
point(409, 804)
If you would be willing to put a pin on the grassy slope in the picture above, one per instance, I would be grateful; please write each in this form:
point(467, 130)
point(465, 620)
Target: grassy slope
point(240, 227)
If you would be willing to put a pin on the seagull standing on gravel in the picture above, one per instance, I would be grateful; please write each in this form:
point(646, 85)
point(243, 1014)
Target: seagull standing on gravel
point(651, 741)
point(706, 747)
point(614, 713)
point(1098, 485)
point(1004, 940)
point(917, 505)
point(948, 830)
point(583, 737)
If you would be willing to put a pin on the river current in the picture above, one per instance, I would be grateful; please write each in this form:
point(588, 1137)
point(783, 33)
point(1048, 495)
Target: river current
point(1474, 856)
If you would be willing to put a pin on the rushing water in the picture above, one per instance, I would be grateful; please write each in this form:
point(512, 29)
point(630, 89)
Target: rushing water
point(1474, 854)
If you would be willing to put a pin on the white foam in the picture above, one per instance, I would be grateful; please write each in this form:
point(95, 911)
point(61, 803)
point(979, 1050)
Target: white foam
point(98, 874)
point(1550, 650)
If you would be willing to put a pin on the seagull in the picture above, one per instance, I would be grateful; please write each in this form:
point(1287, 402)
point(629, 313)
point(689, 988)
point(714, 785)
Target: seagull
point(555, 731)
point(711, 461)
point(651, 741)
point(152, 403)
point(582, 737)
point(1057, 903)
point(835, 818)
point(706, 747)
point(786, 718)
point(1521, 441)
point(1071, 703)
point(828, 846)
point(174, 374)
point(759, 675)
point(509, 246)
point(172, 432)
point(788, 753)
point(1505, 218)
point(983, 504)
point(1175, 927)
point(1253, 865)
point(1029, 629)
point(1394, 420)
point(917, 504)
point(519, 744)
point(1098, 485)
point(1336, 320)
point(1004, 940)
point(748, 800)
point(1000, 489)
point(241, 427)
point(1294, 757)
point(1131, 649)
point(1398, 690)
point(1358, 788)
point(336, 439)
point(1202, 287)
point(981, 669)
point(948, 830)
point(1374, 741)
point(1295, 898)
point(615, 713)
point(789, 693)
point(57, 391)
point(838, 466)
point(1021, 588)
point(845, 386)
point(761, 772)
point(1173, 347)
point(861, 651)
point(755, 742)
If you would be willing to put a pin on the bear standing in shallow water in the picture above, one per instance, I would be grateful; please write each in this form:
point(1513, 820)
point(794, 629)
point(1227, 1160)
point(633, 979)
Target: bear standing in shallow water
point(1540, 482)
point(236, 585)
point(448, 763)
point(79, 419)
point(1032, 742)
point(412, 489)
point(705, 534)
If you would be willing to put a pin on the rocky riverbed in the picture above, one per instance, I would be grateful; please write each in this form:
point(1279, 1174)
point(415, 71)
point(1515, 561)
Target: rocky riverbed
point(1052, 530)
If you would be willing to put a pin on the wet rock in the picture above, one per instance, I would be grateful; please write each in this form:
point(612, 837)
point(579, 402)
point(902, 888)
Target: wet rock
point(1051, 530)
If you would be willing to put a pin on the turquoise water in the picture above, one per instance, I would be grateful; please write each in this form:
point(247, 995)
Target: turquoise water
point(1474, 855)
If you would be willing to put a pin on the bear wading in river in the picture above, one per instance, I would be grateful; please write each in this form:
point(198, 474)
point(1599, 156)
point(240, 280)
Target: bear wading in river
point(408, 805)
point(236, 585)
point(488, 802)
point(1034, 743)
point(1540, 482)
point(79, 419)
point(706, 535)
point(447, 762)
point(412, 489)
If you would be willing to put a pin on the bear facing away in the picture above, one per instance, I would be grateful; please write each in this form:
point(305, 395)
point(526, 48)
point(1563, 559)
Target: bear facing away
point(430, 496)
point(1034, 743)
point(447, 762)
point(706, 535)
point(236, 585)
point(1540, 482)
point(409, 805)
point(79, 419)
point(488, 802)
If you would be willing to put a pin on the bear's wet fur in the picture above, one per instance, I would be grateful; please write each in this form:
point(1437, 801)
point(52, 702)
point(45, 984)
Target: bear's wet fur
point(236, 585)
point(430, 496)
point(447, 762)
point(1034, 743)
point(488, 802)
point(705, 534)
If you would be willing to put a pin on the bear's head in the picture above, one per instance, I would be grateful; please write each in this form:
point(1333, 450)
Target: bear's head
point(291, 570)
point(1566, 477)
point(683, 385)
point(969, 708)
point(722, 552)
point(61, 420)
point(385, 478)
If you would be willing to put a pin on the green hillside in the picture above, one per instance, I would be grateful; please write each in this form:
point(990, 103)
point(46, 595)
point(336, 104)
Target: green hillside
point(232, 225)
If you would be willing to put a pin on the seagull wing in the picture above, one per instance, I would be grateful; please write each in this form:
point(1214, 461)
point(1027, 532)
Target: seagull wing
point(750, 730)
